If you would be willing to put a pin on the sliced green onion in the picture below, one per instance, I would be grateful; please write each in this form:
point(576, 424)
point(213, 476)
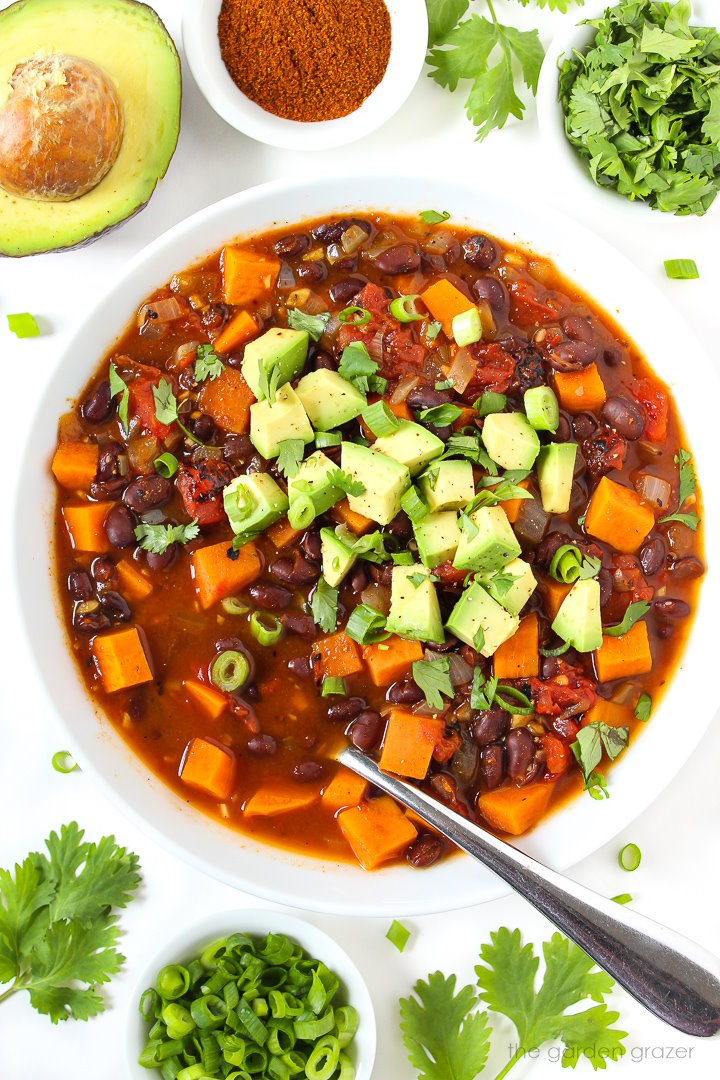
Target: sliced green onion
point(490, 402)
point(629, 857)
point(622, 898)
point(63, 762)
point(354, 316)
point(166, 465)
point(266, 629)
point(346, 1022)
point(333, 685)
point(434, 217)
point(232, 605)
point(519, 704)
point(23, 325)
point(302, 512)
point(403, 308)
point(398, 935)
point(557, 651)
point(230, 670)
point(414, 505)
point(565, 564)
point(178, 1020)
point(366, 625)
point(172, 982)
point(347, 1069)
point(467, 327)
point(380, 419)
point(681, 269)
point(327, 438)
point(542, 409)
point(208, 1012)
point(307, 1028)
point(323, 1060)
point(402, 558)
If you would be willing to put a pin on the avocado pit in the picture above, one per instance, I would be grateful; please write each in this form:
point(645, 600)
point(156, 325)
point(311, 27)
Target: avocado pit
point(60, 129)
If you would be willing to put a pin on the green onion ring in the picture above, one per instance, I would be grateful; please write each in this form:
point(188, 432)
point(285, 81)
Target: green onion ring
point(354, 316)
point(63, 762)
point(403, 308)
point(266, 629)
point(629, 857)
point(230, 670)
point(231, 605)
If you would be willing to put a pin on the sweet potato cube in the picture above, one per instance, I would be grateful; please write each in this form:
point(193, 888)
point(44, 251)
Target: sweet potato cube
point(247, 275)
point(345, 789)
point(207, 698)
point(513, 506)
point(276, 799)
point(608, 712)
point(580, 391)
point(227, 400)
point(217, 575)
point(282, 534)
point(518, 657)
point(75, 464)
point(376, 831)
point(241, 328)
point(339, 655)
point(85, 526)
point(553, 594)
point(391, 660)
point(133, 584)
point(618, 516)
point(625, 656)
point(357, 523)
point(409, 743)
point(444, 301)
point(209, 767)
point(515, 810)
point(121, 659)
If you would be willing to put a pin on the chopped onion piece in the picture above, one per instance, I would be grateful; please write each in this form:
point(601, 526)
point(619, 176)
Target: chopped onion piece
point(286, 277)
point(486, 318)
point(462, 370)
point(352, 239)
point(375, 346)
point(439, 242)
point(142, 453)
point(306, 300)
point(459, 670)
point(532, 521)
point(654, 489)
point(332, 327)
point(382, 241)
point(377, 597)
point(183, 355)
point(161, 311)
point(403, 388)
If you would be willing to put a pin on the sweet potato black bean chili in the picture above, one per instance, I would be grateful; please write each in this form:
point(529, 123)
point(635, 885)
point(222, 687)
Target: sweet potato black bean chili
point(386, 481)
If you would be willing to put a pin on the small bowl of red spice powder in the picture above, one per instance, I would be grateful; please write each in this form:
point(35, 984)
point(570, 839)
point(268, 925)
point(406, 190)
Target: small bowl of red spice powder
point(305, 74)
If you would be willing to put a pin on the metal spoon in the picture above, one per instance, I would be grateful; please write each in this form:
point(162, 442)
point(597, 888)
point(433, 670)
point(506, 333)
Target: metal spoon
point(670, 975)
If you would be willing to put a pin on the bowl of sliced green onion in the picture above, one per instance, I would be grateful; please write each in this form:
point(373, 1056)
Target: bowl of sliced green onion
point(251, 995)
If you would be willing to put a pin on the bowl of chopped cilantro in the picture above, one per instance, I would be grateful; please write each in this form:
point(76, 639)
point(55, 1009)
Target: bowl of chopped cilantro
point(630, 98)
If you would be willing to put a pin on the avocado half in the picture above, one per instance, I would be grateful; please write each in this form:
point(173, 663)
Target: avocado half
point(128, 41)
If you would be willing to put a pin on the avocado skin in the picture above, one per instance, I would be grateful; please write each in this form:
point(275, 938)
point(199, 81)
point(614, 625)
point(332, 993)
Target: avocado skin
point(96, 234)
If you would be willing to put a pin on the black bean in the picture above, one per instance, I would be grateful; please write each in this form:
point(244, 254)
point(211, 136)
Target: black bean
point(146, 492)
point(301, 666)
point(99, 406)
point(625, 416)
point(312, 272)
point(492, 290)
point(492, 765)
point(295, 572)
point(120, 527)
point(576, 328)
point(405, 693)
point(606, 585)
point(563, 431)
point(549, 667)
point(262, 745)
point(668, 608)
point(163, 561)
point(426, 850)
point(572, 355)
point(202, 427)
point(342, 712)
point(480, 252)
point(330, 232)
point(90, 622)
point(689, 567)
point(612, 357)
point(324, 360)
point(80, 585)
point(366, 730)
point(107, 468)
point(491, 726)
point(311, 545)
point(115, 606)
point(237, 448)
point(359, 578)
point(433, 263)
point(270, 597)
point(547, 548)
point(584, 424)
point(450, 642)
point(103, 569)
point(652, 556)
point(399, 259)
point(296, 623)
point(520, 748)
point(400, 526)
point(425, 397)
point(224, 643)
point(291, 247)
point(308, 771)
point(342, 292)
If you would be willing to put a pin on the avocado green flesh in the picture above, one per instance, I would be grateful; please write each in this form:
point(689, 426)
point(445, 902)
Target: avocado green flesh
point(129, 43)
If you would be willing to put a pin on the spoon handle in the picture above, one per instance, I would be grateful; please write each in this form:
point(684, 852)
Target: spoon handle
point(670, 975)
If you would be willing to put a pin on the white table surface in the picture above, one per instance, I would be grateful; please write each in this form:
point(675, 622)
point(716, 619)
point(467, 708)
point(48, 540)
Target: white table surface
point(679, 879)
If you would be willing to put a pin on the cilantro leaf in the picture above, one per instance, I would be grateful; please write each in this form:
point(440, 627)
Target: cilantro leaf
point(22, 919)
point(109, 875)
point(119, 386)
point(357, 366)
point(443, 1035)
point(314, 325)
point(371, 547)
point(290, 456)
point(643, 707)
point(686, 488)
point(590, 742)
point(207, 364)
point(482, 692)
point(71, 953)
point(165, 403)
point(324, 605)
point(158, 538)
point(434, 217)
point(590, 567)
point(633, 613)
point(433, 678)
point(440, 415)
point(346, 483)
point(442, 16)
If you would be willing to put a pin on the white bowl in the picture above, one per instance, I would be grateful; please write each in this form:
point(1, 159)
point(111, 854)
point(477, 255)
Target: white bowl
point(187, 945)
point(573, 174)
point(409, 28)
point(568, 835)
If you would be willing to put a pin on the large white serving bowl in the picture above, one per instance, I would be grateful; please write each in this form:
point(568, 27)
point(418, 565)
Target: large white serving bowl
point(677, 725)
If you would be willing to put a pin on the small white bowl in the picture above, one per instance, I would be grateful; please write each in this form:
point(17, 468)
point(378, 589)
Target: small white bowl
point(190, 943)
point(409, 28)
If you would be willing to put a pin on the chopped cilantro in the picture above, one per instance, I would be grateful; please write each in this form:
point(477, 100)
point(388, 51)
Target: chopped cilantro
point(290, 456)
point(314, 325)
point(158, 538)
point(324, 605)
point(207, 364)
point(433, 678)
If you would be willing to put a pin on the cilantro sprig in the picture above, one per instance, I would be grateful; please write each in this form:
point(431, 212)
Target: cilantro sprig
point(207, 364)
point(324, 605)
point(686, 488)
point(158, 538)
point(588, 748)
point(433, 678)
point(58, 933)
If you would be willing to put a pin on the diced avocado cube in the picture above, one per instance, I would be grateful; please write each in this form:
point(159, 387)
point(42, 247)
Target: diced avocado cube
point(329, 400)
point(338, 558)
point(510, 440)
point(480, 621)
point(487, 543)
point(412, 445)
point(513, 586)
point(314, 478)
point(385, 482)
point(280, 348)
point(578, 619)
point(284, 419)
point(437, 536)
point(448, 485)
point(253, 502)
point(555, 470)
point(414, 607)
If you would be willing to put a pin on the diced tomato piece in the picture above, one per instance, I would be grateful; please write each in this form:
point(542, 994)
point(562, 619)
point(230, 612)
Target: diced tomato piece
point(448, 574)
point(446, 746)
point(495, 370)
point(528, 309)
point(656, 405)
point(401, 354)
point(142, 405)
point(201, 487)
point(373, 299)
point(557, 754)
point(603, 451)
point(568, 688)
